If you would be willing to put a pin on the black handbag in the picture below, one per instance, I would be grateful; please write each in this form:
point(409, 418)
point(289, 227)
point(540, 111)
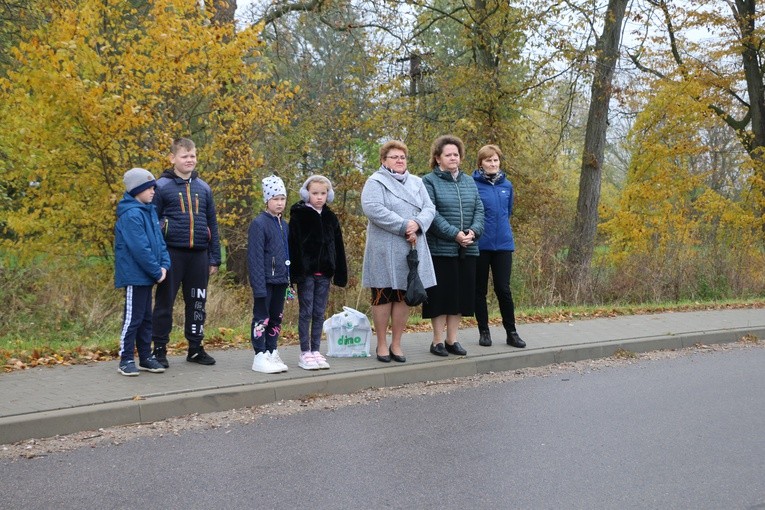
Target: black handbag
point(415, 292)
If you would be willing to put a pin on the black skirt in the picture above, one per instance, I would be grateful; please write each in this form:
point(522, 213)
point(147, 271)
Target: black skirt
point(454, 293)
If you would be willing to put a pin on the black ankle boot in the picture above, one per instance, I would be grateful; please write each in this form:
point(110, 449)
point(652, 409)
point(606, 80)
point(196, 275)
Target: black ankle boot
point(484, 337)
point(514, 340)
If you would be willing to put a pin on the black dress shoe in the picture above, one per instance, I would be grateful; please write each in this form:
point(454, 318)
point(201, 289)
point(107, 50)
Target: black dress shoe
point(484, 337)
point(396, 357)
point(384, 359)
point(438, 350)
point(515, 341)
point(456, 348)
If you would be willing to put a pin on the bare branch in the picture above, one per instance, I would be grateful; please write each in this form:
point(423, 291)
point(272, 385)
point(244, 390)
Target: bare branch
point(635, 58)
point(281, 10)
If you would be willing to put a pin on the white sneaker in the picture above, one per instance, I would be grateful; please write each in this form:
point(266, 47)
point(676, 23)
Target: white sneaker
point(262, 363)
point(320, 360)
point(277, 360)
point(307, 361)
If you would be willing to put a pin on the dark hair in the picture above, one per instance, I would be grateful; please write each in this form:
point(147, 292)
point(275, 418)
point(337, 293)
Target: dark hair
point(438, 148)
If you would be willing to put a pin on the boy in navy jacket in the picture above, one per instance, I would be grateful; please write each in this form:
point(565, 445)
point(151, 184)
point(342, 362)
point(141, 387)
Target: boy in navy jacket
point(141, 260)
point(186, 211)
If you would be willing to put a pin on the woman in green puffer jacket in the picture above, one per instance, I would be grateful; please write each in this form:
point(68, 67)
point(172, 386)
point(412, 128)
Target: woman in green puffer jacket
point(452, 239)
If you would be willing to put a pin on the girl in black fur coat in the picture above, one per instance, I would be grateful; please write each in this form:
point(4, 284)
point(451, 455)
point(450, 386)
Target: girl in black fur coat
point(317, 255)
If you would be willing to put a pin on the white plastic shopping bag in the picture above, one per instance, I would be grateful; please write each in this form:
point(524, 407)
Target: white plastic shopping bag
point(348, 334)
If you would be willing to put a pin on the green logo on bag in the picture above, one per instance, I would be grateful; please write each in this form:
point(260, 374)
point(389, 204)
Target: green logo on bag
point(349, 340)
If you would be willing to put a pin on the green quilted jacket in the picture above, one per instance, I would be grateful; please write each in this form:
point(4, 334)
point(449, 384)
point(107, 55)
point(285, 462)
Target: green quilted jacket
point(458, 207)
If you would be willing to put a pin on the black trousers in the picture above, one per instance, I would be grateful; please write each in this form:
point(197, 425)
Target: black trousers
point(190, 270)
point(501, 265)
point(267, 313)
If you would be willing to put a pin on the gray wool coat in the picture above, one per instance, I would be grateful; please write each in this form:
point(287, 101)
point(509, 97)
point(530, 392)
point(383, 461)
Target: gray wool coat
point(389, 205)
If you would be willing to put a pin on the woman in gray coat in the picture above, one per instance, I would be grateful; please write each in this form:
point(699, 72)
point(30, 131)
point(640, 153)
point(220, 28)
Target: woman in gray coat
point(399, 211)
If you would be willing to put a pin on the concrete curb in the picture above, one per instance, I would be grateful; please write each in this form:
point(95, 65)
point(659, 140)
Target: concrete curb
point(154, 408)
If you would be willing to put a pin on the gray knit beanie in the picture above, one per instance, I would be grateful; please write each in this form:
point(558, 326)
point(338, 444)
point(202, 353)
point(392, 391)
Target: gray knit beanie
point(138, 179)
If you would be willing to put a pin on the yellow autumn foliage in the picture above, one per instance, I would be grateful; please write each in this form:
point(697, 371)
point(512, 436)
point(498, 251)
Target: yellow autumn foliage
point(102, 88)
point(670, 227)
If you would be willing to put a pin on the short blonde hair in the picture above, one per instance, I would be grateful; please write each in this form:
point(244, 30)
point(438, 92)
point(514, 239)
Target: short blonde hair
point(320, 179)
point(182, 143)
point(486, 152)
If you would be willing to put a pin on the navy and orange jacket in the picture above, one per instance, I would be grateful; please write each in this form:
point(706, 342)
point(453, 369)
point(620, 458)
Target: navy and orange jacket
point(187, 215)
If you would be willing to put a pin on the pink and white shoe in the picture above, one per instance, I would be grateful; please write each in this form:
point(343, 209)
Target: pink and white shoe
point(307, 361)
point(320, 360)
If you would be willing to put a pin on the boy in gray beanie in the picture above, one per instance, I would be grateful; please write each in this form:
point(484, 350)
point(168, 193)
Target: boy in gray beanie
point(140, 261)
point(137, 180)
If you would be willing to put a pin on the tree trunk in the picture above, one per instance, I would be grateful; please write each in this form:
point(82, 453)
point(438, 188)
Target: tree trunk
point(236, 252)
point(585, 226)
point(746, 16)
point(754, 82)
point(487, 64)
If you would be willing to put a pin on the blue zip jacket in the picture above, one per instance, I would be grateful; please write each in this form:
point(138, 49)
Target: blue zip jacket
point(186, 210)
point(139, 248)
point(497, 201)
point(267, 252)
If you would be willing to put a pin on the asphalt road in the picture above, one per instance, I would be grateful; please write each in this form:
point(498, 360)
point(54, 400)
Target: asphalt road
point(682, 433)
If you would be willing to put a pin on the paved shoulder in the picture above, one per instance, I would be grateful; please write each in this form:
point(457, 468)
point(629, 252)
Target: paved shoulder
point(43, 402)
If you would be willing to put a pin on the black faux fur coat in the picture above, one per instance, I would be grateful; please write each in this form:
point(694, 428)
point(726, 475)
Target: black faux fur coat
point(316, 245)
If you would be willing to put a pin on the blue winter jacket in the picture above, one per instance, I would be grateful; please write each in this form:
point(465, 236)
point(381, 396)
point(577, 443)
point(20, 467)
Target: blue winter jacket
point(139, 249)
point(187, 216)
point(267, 252)
point(497, 201)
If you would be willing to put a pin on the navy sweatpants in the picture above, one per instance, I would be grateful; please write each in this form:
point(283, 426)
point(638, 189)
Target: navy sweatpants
point(136, 326)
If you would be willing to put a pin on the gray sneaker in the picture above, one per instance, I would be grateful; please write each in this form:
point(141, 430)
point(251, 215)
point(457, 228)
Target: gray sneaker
point(151, 365)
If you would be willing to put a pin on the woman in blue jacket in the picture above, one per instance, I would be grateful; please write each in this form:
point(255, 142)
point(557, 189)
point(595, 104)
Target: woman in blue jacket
point(495, 246)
